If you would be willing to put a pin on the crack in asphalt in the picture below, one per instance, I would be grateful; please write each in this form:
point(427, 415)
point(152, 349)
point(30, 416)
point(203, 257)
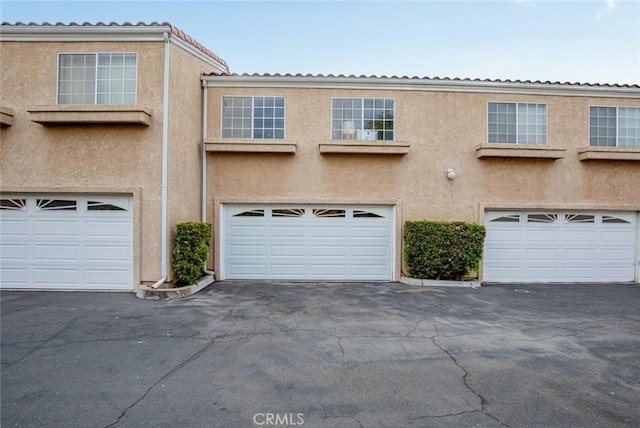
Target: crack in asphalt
point(171, 372)
point(483, 401)
point(279, 329)
point(350, 366)
point(43, 345)
point(347, 365)
point(448, 415)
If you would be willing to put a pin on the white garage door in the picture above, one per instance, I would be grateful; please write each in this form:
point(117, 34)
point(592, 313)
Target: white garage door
point(560, 246)
point(308, 242)
point(66, 242)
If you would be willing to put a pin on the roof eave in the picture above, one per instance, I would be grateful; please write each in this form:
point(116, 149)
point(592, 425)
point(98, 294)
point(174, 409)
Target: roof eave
point(55, 32)
point(419, 84)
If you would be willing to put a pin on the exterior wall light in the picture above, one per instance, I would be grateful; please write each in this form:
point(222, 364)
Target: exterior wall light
point(451, 174)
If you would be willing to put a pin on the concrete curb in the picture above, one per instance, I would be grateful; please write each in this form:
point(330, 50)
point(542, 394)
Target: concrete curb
point(436, 283)
point(148, 293)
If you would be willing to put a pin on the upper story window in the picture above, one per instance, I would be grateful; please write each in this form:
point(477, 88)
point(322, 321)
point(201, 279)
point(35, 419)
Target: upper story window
point(614, 126)
point(363, 119)
point(97, 78)
point(253, 117)
point(517, 123)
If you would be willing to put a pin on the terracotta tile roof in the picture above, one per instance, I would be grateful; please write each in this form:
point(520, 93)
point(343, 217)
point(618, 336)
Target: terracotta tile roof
point(174, 30)
point(435, 79)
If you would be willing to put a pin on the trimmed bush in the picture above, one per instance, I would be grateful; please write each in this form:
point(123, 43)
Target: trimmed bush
point(442, 250)
point(191, 251)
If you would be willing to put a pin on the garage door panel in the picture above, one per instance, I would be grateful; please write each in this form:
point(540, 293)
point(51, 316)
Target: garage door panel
point(370, 232)
point(502, 253)
point(501, 234)
point(540, 253)
point(107, 229)
point(579, 254)
point(14, 276)
point(288, 232)
point(581, 236)
point(248, 231)
point(329, 271)
point(511, 274)
point(328, 232)
point(370, 251)
point(308, 242)
point(284, 243)
point(616, 273)
point(56, 229)
point(56, 276)
point(106, 253)
point(288, 250)
point(617, 255)
point(248, 269)
point(107, 277)
point(288, 269)
point(541, 273)
point(539, 235)
point(247, 250)
point(52, 252)
point(329, 250)
point(571, 247)
point(10, 228)
point(368, 270)
point(574, 274)
point(615, 236)
point(10, 251)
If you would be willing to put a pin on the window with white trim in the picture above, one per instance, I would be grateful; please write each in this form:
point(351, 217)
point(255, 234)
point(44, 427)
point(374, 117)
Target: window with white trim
point(362, 119)
point(517, 123)
point(97, 78)
point(253, 117)
point(614, 126)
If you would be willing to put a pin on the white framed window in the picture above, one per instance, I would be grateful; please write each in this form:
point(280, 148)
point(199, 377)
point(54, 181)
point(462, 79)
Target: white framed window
point(97, 78)
point(362, 119)
point(517, 123)
point(614, 126)
point(253, 117)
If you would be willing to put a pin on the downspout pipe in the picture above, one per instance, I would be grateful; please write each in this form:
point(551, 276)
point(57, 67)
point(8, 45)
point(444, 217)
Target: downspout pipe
point(165, 159)
point(205, 131)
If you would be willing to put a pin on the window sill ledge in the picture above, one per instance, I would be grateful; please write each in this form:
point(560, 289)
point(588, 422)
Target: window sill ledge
point(250, 146)
point(500, 150)
point(609, 153)
point(366, 147)
point(6, 116)
point(91, 115)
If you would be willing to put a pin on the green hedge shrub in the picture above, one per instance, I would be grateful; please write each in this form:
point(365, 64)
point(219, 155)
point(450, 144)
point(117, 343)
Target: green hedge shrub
point(191, 251)
point(442, 250)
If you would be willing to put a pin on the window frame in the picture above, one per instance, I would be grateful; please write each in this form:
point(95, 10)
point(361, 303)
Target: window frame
point(95, 89)
point(617, 125)
point(253, 98)
point(517, 122)
point(362, 99)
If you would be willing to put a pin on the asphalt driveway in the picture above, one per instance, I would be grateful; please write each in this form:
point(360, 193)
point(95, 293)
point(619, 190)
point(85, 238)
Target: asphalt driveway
point(243, 354)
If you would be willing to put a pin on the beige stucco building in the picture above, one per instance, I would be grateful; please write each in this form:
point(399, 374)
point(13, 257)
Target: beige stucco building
point(141, 156)
point(303, 177)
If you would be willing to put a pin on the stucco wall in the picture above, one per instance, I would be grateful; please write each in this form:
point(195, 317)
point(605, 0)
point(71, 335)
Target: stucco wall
point(185, 140)
point(443, 129)
point(85, 158)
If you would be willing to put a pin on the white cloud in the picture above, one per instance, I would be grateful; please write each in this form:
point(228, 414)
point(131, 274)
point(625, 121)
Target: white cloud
point(610, 4)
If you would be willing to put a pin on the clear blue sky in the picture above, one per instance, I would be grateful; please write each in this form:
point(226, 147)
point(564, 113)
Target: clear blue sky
point(586, 41)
